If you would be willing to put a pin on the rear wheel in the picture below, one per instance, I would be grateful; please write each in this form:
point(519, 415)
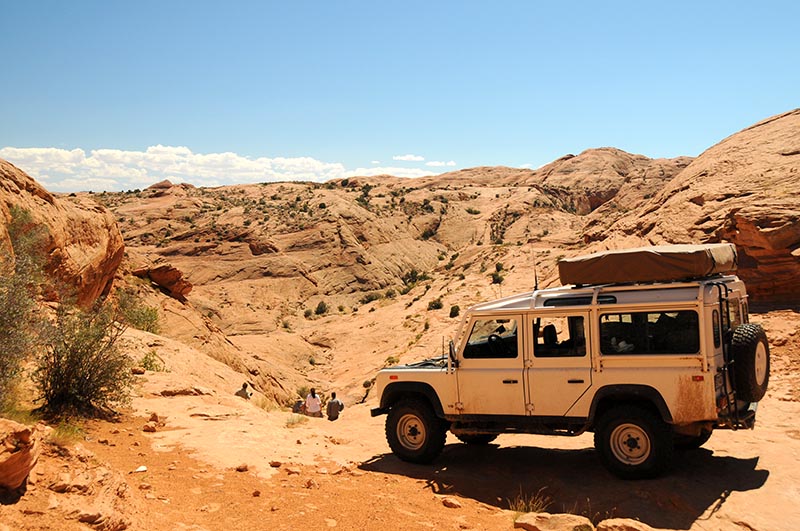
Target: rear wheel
point(633, 442)
point(476, 438)
point(414, 432)
point(750, 351)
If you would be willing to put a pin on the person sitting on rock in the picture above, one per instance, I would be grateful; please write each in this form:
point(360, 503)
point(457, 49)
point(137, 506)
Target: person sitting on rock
point(313, 404)
point(335, 406)
point(244, 392)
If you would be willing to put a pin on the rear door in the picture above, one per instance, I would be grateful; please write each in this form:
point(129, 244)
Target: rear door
point(558, 363)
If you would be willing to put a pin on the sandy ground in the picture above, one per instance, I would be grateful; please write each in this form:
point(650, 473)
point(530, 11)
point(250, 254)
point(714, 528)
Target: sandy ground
point(309, 473)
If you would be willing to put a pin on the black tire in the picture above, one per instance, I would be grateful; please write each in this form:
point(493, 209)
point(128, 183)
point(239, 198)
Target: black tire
point(689, 442)
point(414, 432)
point(476, 438)
point(750, 351)
point(633, 442)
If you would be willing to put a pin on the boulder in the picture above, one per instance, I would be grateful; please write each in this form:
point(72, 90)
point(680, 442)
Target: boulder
point(623, 524)
point(19, 451)
point(82, 245)
point(553, 522)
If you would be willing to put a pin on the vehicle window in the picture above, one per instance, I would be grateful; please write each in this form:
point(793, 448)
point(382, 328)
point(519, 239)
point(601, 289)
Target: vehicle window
point(734, 314)
point(492, 338)
point(579, 301)
point(557, 337)
point(717, 335)
point(650, 333)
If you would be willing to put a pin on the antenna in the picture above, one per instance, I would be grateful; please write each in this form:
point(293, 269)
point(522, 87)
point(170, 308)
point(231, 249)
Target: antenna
point(535, 276)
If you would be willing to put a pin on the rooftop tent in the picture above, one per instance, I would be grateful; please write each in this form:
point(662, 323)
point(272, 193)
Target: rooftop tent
point(661, 263)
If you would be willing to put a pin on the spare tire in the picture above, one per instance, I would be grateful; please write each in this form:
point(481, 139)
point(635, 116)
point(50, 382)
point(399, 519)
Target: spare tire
point(750, 351)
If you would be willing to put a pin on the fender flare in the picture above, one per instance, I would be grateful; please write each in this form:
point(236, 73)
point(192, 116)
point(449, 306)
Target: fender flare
point(395, 391)
point(628, 393)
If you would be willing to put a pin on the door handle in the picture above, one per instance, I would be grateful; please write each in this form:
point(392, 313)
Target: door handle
point(510, 381)
point(575, 381)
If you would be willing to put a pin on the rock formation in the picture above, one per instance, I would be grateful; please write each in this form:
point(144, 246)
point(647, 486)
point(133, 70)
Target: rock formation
point(19, 451)
point(83, 243)
point(746, 190)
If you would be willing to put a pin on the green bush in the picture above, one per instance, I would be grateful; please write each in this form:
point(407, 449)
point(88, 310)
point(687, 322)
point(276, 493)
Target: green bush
point(497, 278)
point(322, 308)
point(20, 278)
point(80, 369)
point(454, 311)
point(137, 314)
point(435, 304)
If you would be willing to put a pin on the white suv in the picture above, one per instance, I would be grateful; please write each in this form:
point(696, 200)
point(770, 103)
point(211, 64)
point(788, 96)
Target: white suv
point(647, 366)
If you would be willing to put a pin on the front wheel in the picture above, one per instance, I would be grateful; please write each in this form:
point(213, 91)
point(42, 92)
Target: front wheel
point(633, 442)
point(414, 432)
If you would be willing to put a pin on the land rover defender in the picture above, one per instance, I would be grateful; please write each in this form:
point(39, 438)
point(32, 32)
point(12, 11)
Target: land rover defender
point(650, 349)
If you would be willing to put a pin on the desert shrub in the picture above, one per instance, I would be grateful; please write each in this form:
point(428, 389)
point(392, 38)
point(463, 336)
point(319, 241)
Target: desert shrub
point(152, 362)
point(322, 308)
point(136, 314)
point(473, 211)
point(390, 293)
point(369, 297)
point(454, 311)
point(497, 278)
point(391, 360)
point(308, 313)
point(498, 266)
point(80, 369)
point(435, 304)
point(20, 278)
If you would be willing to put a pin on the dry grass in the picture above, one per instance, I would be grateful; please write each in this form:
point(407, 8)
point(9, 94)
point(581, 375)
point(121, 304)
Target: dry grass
point(529, 503)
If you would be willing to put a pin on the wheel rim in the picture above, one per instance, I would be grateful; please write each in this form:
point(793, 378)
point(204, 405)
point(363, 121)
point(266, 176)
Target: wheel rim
point(411, 432)
point(761, 363)
point(630, 444)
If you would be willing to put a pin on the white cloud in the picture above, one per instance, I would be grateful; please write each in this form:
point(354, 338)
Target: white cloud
point(374, 162)
point(397, 172)
point(62, 170)
point(409, 158)
point(439, 163)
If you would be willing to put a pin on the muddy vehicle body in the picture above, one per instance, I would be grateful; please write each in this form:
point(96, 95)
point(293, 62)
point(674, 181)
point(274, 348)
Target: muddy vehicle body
point(647, 366)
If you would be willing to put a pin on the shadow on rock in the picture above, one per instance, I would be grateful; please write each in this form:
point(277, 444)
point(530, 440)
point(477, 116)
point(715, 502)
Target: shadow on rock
point(697, 486)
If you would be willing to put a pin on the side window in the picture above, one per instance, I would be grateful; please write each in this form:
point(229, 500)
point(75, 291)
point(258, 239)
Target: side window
point(650, 333)
point(492, 338)
point(557, 337)
point(717, 334)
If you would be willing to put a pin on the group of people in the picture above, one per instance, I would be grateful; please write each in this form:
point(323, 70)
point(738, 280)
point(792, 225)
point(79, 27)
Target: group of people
point(311, 406)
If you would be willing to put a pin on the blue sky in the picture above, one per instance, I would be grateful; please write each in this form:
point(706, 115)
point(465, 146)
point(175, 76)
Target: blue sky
point(118, 95)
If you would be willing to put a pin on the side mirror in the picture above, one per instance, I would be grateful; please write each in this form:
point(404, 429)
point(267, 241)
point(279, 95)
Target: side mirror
point(452, 352)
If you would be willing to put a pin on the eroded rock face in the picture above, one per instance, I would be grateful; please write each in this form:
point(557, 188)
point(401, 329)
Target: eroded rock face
point(745, 190)
point(19, 451)
point(84, 246)
point(167, 277)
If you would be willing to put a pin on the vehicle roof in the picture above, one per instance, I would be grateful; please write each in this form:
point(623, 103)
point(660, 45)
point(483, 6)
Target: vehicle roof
point(583, 296)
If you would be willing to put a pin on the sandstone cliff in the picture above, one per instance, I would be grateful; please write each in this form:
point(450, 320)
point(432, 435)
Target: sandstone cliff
point(746, 190)
point(83, 244)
